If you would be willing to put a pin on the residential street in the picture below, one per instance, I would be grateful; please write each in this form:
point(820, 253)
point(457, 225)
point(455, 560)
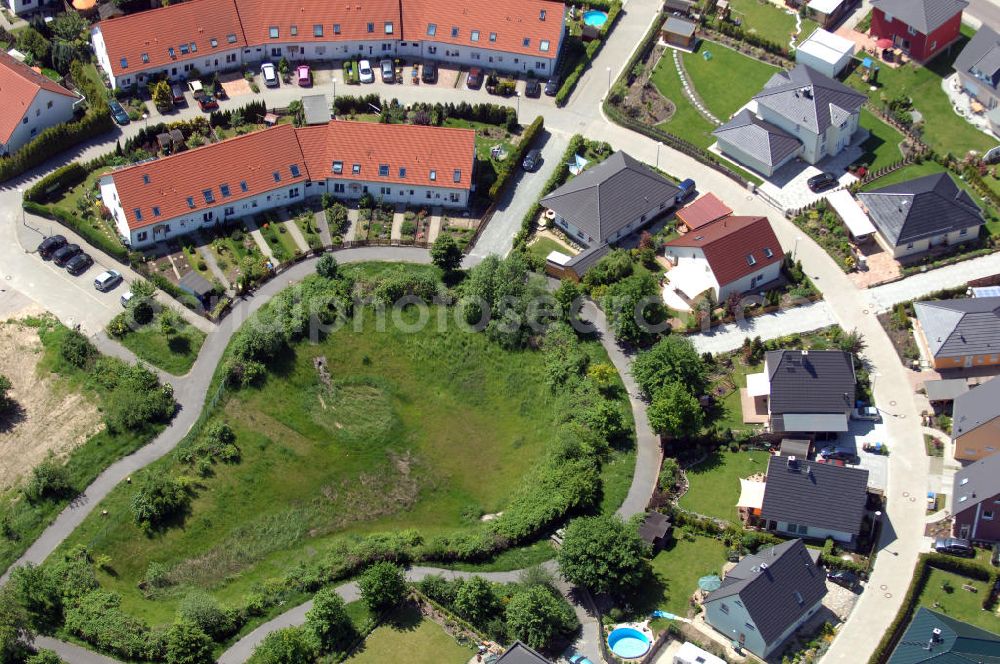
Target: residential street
point(770, 326)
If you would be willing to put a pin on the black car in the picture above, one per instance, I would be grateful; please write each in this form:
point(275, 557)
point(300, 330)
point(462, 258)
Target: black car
point(821, 181)
point(845, 578)
point(954, 546)
point(48, 246)
point(532, 160)
point(532, 88)
point(475, 80)
point(118, 112)
point(78, 264)
point(62, 255)
point(430, 73)
point(835, 453)
point(552, 87)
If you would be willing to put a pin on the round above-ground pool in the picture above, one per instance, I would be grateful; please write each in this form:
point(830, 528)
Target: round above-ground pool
point(595, 17)
point(628, 643)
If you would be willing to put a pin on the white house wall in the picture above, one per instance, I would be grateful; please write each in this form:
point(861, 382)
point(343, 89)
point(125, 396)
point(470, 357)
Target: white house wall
point(816, 533)
point(23, 7)
point(920, 246)
point(751, 282)
point(47, 109)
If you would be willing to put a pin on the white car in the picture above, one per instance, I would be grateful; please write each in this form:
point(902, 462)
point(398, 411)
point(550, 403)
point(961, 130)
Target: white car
point(107, 280)
point(365, 73)
point(269, 74)
point(126, 298)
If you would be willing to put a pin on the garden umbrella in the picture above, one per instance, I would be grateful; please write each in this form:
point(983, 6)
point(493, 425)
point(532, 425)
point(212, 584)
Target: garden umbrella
point(885, 42)
point(710, 583)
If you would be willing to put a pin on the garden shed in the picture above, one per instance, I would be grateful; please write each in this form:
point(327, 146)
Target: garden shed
point(825, 52)
point(680, 33)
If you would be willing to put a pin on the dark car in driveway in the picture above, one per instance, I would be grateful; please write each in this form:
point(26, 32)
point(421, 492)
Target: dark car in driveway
point(118, 112)
point(822, 181)
point(844, 578)
point(430, 72)
point(79, 264)
point(532, 160)
point(49, 245)
point(845, 454)
point(552, 87)
point(532, 88)
point(475, 80)
point(62, 255)
point(954, 546)
point(207, 103)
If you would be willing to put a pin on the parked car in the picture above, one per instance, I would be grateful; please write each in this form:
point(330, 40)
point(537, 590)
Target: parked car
point(845, 578)
point(269, 74)
point(79, 264)
point(954, 546)
point(687, 189)
point(61, 255)
point(388, 72)
point(207, 103)
point(532, 88)
point(118, 113)
point(532, 160)
point(869, 413)
point(126, 298)
point(47, 246)
point(196, 88)
point(475, 80)
point(365, 73)
point(579, 659)
point(837, 453)
point(430, 72)
point(177, 94)
point(822, 181)
point(107, 280)
point(552, 87)
point(304, 76)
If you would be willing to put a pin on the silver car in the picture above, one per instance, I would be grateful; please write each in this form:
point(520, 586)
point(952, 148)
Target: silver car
point(107, 280)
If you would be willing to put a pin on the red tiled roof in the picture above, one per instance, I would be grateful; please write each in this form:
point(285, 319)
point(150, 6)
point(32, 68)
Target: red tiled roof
point(255, 157)
point(353, 17)
point(19, 85)
point(512, 21)
point(704, 211)
point(729, 242)
point(155, 31)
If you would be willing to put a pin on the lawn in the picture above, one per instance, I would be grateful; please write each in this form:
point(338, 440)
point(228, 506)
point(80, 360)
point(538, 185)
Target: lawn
point(715, 482)
point(731, 416)
point(686, 122)
point(677, 569)
point(958, 603)
point(310, 231)
point(174, 353)
point(423, 430)
point(543, 246)
point(727, 80)
point(882, 147)
point(762, 18)
point(408, 637)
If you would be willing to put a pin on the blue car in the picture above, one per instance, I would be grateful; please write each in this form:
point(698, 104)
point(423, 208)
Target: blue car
point(118, 113)
point(579, 659)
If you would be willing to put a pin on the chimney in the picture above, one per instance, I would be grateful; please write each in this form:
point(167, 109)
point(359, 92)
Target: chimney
point(793, 463)
point(935, 634)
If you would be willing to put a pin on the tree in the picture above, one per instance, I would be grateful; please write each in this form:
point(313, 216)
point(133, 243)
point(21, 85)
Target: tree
point(31, 41)
point(188, 644)
point(852, 342)
point(328, 267)
point(614, 267)
point(284, 67)
point(77, 349)
point(383, 586)
point(569, 296)
point(603, 375)
point(49, 479)
point(477, 601)
point(158, 499)
point(6, 403)
point(203, 611)
point(674, 412)
point(162, 96)
point(634, 308)
point(535, 616)
point(297, 112)
point(285, 646)
point(44, 657)
point(14, 629)
point(602, 553)
point(142, 289)
point(672, 358)
point(446, 254)
point(69, 27)
point(328, 623)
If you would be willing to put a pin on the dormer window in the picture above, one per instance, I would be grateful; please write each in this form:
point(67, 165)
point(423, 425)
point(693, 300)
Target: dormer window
point(543, 46)
point(388, 27)
point(224, 188)
point(145, 179)
point(124, 63)
point(231, 38)
point(768, 253)
point(541, 15)
point(457, 175)
point(371, 27)
point(434, 176)
point(277, 176)
point(156, 211)
point(338, 167)
point(751, 260)
point(294, 169)
point(383, 170)
point(318, 30)
point(474, 35)
point(213, 42)
point(356, 169)
point(190, 202)
point(493, 36)
point(138, 214)
point(294, 30)
point(402, 171)
point(454, 31)
point(209, 196)
point(527, 42)
point(273, 31)
point(144, 57)
point(171, 53)
point(336, 28)
point(243, 185)
point(432, 29)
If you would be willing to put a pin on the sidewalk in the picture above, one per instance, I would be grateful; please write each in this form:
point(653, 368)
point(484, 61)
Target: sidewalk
point(769, 326)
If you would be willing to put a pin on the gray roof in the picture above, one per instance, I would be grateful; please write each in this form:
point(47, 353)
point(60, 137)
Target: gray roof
point(195, 284)
point(820, 495)
point(976, 482)
point(655, 525)
point(924, 16)
point(588, 258)
point(521, 654)
point(776, 585)
point(956, 328)
point(795, 447)
point(603, 199)
point(316, 109)
point(947, 389)
point(976, 407)
point(817, 381)
point(810, 99)
point(679, 26)
point(958, 643)
point(921, 208)
point(981, 57)
point(761, 140)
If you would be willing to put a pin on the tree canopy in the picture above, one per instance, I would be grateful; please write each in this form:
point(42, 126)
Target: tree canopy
point(535, 616)
point(602, 553)
point(328, 623)
point(672, 359)
point(383, 586)
point(446, 254)
point(675, 412)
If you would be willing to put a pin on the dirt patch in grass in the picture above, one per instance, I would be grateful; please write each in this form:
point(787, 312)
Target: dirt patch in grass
point(48, 418)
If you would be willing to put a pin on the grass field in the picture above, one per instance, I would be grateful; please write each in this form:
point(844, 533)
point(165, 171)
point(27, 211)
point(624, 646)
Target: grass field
point(174, 353)
point(958, 603)
point(726, 81)
point(769, 21)
point(715, 482)
point(677, 569)
point(882, 147)
point(544, 246)
point(408, 637)
point(686, 122)
point(424, 430)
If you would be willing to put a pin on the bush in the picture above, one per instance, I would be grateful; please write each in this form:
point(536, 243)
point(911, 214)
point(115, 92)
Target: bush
point(158, 499)
point(204, 612)
point(327, 267)
point(285, 646)
point(186, 643)
point(55, 140)
point(49, 480)
point(77, 349)
point(328, 622)
point(383, 586)
point(536, 616)
point(56, 182)
point(511, 164)
point(97, 618)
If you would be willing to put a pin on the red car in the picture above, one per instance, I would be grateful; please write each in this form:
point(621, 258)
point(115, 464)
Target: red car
point(475, 78)
point(303, 76)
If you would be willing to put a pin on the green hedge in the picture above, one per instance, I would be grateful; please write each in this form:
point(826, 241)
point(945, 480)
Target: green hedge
point(58, 180)
point(508, 167)
point(92, 235)
point(53, 141)
point(614, 9)
point(555, 180)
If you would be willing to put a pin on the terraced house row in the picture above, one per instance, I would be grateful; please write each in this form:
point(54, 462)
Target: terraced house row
point(284, 165)
point(517, 36)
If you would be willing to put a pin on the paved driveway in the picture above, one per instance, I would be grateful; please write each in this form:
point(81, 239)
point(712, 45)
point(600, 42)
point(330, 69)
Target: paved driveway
point(770, 326)
point(883, 297)
point(862, 432)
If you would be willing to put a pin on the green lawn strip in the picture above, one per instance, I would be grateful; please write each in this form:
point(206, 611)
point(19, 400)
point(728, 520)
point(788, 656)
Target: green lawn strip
point(686, 122)
point(285, 238)
point(509, 560)
point(269, 231)
point(765, 20)
point(616, 479)
point(715, 482)
point(196, 261)
point(726, 80)
point(310, 231)
point(676, 570)
point(882, 146)
point(408, 637)
point(544, 246)
point(959, 603)
point(174, 353)
point(732, 408)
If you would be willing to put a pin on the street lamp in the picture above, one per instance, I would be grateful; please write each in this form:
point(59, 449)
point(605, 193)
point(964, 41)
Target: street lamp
point(518, 117)
point(795, 249)
point(658, 155)
point(878, 515)
point(24, 221)
point(609, 80)
point(145, 120)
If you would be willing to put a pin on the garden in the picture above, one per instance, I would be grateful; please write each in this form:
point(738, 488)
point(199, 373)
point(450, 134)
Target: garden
point(715, 482)
point(677, 568)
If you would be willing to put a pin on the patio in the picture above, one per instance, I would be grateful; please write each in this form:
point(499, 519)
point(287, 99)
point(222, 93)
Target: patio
point(882, 266)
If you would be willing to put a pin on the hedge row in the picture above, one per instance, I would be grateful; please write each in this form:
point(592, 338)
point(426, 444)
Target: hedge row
point(508, 167)
point(53, 141)
point(555, 180)
point(92, 235)
point(614, 9)
point(58, 180)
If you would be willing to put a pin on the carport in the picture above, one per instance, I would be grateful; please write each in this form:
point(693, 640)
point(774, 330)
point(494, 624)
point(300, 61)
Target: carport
point(857, 222)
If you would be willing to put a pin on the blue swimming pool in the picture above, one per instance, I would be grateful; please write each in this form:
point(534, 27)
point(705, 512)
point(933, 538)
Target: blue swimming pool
point(628, 643)
point(595, 17)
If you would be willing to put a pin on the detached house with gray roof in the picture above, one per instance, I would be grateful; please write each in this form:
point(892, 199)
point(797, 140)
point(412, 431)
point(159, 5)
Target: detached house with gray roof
point(975, 499)
point(799, 113)
point(766, 597)
point(917, 215)
point(975, 425)
point(934, 638)
point(978, 68)
point(960, 333)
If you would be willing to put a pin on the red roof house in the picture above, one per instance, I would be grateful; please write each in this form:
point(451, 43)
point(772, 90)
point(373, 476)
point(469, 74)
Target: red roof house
point(704, 211)
point(921, 28)
point(31, 103)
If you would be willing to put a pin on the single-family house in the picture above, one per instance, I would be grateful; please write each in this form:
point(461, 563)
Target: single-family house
point(704, 211)
point(975, 498)
point(680, 32)
point(611, 200)
point(27, 7)
point(806, 391)
point(814, 500)
point(978, 67)
point(934, 638)
point(800, 113)
point(284, 165)
point(828, 12)
point(960, 333)
point(518, 36)
point(521, 654)
point(735, 254)
point(919, 214)
point(825, 52)
point(920, 28)
point(766, 597)
point(31, 104)
point(975, 425)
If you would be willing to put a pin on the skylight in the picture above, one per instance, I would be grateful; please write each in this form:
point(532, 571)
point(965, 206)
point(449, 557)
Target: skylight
point(294, 170)
point(457, 175)
point(170, 52)
point(402, 171)
point(145, 57)
point(474, 36)
point(388, 27)
point(209, 196)
point(156, 211)
point(213, 42)
point(184, 49)
point(224, 188)
point(294, 30)
point(543, 45)
point(371, 27)
point(124, 63)
point(231, 38)
point(336, 28)
point(138, 214)
point(273, 31)
point(454, 31)
point(527, 42)
point(493, 36)
point(768, 253)
point(277, 176)
point(243, 185)
point(145, 179)
point(751, 260)
point(318, 30)
point(383, 170)
point(356, 168)
point(338, 167)
point(434, 176)
point(190, 201)
point(432, 29)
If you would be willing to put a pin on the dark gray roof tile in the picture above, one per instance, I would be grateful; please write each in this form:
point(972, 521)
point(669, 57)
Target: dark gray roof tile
point(957, 328)
point(810, 99)
point(958, 643)
point(924, 16)
point(975, 408)
point(818, 381)
point(762, 140)
point(819, 495)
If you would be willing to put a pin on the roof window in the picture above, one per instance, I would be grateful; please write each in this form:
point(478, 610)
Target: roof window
point(432, 29)
point(213, 42)
point(457, 175)
point(294, 30)
point(231, 38)
point(273, 31)
point(336, 28)
point(209, 196)
point(454, 31)
point(144, 57)
point(388, 27)
point(224, 188)
point(171, 53)
point(768, 253)
point(526, 42)
point(277, 176)
point(543, 46)
point(371, 27)
point(383, 170)
point(184, 49)
point(294, 168)
point(318, 30)
point(190, 202)
point(156, 211)
point(138, 214)
point(356, 169)
point(124, 63)
point(145, 179)
point(402, 171)
point(751, 260)
point(434, 175)
point(493, 36)
point(338, 167)
point(243, 185)
point(194, 47)
point(541, 15)
point(474, 35)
